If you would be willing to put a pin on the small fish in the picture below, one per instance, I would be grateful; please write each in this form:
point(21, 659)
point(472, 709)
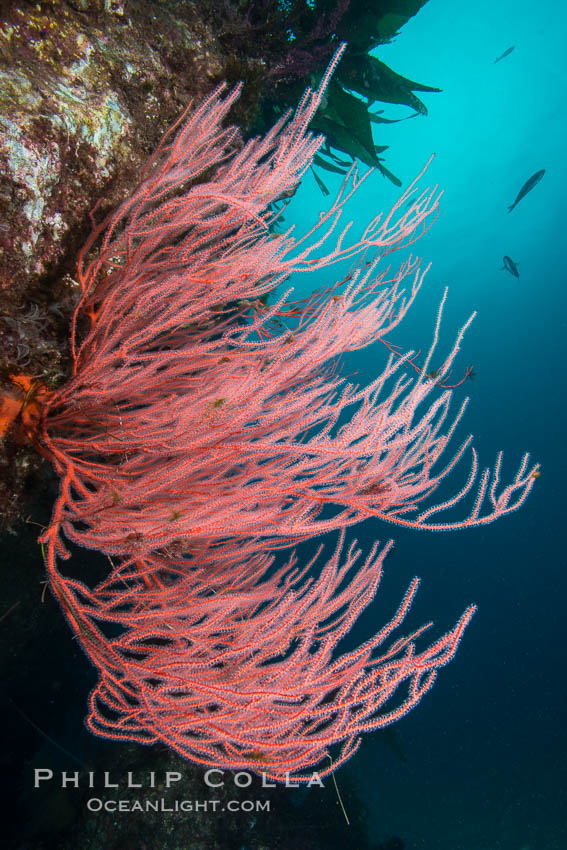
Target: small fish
point(510, 266)
point(504, 55)
point(527, 187)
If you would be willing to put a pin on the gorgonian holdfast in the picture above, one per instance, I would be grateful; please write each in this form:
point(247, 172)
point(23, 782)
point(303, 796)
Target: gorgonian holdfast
point(202, 430)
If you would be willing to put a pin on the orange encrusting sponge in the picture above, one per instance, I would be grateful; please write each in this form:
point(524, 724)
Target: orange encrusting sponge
point(23, 404)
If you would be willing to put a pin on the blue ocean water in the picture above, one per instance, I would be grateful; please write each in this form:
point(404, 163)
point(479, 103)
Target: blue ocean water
point(481, 763)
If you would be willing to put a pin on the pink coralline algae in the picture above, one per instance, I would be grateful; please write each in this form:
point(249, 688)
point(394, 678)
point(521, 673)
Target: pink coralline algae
point(206, 429)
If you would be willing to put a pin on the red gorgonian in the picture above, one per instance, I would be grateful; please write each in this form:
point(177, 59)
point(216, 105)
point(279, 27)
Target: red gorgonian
point(206, 428)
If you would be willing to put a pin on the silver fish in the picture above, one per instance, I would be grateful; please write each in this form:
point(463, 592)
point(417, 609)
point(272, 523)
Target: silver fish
point(510, 266)
point(527, 187)
point(504, 55)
